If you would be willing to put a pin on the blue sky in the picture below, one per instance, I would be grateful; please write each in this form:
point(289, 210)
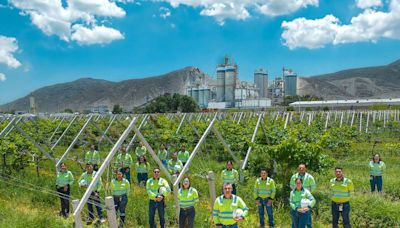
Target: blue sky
point(121, 39)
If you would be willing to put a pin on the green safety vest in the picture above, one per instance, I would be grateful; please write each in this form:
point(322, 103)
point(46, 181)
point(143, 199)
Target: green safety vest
point(172, 164)
point(88, 178)
point(162, 154)
point(308, 181)
point(64, 178)
point(376, 168)
point(264, 188)
point(124, 161)
point(183, 156)
point(230, 176)
point(120, 188)
point(224, 208)
point(153, 185)
point(188, 197)
point(140, 151)
point(296, 196)
point(92, 157)
point(142, 167)
point(341, 191)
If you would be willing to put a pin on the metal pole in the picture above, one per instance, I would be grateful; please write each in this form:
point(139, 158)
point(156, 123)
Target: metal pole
point(180, 124)
point(108, 128)
point(211, 186)
point(73, 142)
point(9, 125)
point(144, 120)
point(64, 132)
point(78, 220)
point(52, 135)
point(252, 140)
point(102, 168)
point(226, 146)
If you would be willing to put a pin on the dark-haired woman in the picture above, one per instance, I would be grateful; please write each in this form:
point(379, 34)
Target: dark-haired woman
point(301, 201)
point(188, 197)
point(376, 168)
point(63, 182)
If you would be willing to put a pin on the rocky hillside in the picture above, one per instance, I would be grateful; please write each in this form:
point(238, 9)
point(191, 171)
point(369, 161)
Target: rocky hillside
point(85, 93)
point(369, 82)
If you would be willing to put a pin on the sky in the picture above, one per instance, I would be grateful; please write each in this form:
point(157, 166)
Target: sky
point(44, 42)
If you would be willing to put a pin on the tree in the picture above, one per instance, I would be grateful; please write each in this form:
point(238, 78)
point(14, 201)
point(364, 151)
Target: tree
point(168, 103)
point(68, 110)
point(117, 109)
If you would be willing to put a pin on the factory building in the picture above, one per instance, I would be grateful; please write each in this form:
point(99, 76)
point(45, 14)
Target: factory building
point(276, 91)
point(290, 82)
point(261, 82)
point(201, 95)
point(226, 81)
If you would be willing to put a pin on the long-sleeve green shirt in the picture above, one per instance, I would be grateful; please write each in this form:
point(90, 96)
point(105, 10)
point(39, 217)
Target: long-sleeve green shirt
point(64, 178)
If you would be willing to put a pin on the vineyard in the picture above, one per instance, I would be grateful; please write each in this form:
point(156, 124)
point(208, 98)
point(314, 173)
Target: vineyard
point(31, 149)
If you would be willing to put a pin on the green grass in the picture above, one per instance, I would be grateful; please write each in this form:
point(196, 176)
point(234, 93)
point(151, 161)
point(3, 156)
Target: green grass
point(24, 208)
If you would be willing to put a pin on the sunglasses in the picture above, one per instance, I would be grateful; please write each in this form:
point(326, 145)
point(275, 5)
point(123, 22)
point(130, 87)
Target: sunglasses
point(156, 171)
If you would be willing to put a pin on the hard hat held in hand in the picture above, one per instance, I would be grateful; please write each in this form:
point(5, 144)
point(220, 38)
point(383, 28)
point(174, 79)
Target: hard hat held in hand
point(305, 203)
point(162, 190)
point(83, 183)
point(237, 213)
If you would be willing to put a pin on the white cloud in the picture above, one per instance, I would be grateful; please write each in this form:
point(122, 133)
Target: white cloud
point(95, 35)
point(8, 45)
point(165, 12)
point(364, 4)
point(2, 77)
point(368, 26)
point(54, 18)
point(242, 9)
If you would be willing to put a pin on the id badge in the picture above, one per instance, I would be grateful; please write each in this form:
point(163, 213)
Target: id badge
point(120, 199)
point(340, 207)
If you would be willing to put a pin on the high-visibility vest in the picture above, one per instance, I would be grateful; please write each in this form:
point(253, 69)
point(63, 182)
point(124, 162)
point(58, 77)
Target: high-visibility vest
point(119, 188)
point(341, 191)
point(296, 196)
point(264, 188)
point(183, 156)
point(87, 178)
point(142, 167)
point(152, 187)
point(64, 178)
point(308, 181)
point(231, 176)
point(188, 197)
point(123, 161)
point(92, 157)
point(376, 168)
point(224, 208)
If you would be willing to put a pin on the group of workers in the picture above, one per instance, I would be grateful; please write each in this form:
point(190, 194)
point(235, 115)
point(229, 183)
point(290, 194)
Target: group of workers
point(228, 209)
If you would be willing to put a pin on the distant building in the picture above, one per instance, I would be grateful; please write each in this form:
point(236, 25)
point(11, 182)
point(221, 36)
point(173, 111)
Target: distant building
point(290, 82)
point(102, 109)
point(276, 91)
point(226, 81)
point(201, 95)
point(261, 82)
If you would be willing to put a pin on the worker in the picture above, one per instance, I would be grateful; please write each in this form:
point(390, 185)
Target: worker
point(84, 182)
point(188, 197)
point(63, 184)
point(120, 187)
point(308, 183)
point(93, 157)
point(376, 168)
point(157, 189)
point(174, 165)
point(229, 209)
point(123, 163)
point(230, 175)
point(342, 190)
point(183, 155)
point(142, 170)
point(140, 150)
point(301, 201)
point(264, 194)
point(163, 154)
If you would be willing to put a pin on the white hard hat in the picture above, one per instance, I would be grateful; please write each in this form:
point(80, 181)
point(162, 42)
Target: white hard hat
point(237, 213)
point(162, 190)
point(177, 168)
point(83, 183)
point(305, 203)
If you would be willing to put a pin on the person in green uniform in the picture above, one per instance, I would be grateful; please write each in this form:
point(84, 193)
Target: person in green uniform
point(157, 189)
point(123, 163)
point(63, 184)
point(376, 169)
point(120, 187)
point(140, 150)
point(188, 197)
point(264, 194)
point(174, 165)
point(93, 157)
point(84, 182)
point(163, 154)
point(142, 169)
point(301, 201)
point(342, 191)
point(230, 175)
point(183, 155)
point(229, 209)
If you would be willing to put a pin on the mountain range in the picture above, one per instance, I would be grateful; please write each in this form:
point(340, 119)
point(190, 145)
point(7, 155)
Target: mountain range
point(85, 93)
